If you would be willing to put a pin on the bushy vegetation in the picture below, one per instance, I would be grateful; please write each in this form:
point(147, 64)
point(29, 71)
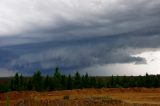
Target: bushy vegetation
point(57, 81)
point(66, 97)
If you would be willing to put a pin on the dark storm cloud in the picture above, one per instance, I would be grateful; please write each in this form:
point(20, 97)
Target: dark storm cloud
point(76, 54)
point(107, 36)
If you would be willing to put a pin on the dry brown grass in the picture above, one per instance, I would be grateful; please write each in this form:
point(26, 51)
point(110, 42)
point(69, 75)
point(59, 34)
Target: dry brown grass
point(86, 97)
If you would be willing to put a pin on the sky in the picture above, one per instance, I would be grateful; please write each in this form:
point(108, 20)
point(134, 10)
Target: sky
point(100, 37)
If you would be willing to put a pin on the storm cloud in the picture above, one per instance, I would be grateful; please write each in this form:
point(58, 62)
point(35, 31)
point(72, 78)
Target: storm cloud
point(76, 34)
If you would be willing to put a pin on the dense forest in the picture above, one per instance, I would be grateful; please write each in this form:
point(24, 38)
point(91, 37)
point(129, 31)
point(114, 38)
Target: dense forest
point(57, 81)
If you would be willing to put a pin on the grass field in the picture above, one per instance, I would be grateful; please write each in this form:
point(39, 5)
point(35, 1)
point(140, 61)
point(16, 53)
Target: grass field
point(85, 97)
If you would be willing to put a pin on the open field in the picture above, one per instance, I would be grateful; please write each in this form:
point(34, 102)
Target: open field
point(85, 97)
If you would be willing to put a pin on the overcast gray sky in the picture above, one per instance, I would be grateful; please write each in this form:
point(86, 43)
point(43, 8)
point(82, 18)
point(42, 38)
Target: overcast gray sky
point(101, 37)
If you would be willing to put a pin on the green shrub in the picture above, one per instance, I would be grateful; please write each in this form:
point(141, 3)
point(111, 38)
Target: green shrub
point(66, 97)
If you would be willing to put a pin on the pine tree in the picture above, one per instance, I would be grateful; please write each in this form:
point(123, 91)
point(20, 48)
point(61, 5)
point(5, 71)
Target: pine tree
point(124, 82)
point(156, 82)
point(85, 81)
point(14, 84)
point(69, 82)
point(77, 81)
point(112, 81)
point(21, 82)
point(57, 79)
point(63, 82)
point(147, 81)
point(37, 81)
point(47, 83)
point(92, 82)
point(29, 85)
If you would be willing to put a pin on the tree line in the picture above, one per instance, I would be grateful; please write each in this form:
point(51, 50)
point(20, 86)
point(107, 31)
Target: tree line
point(58, 81)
